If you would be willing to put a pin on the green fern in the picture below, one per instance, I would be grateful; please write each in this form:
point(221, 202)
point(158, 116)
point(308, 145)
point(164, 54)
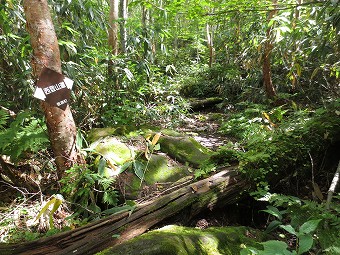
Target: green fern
point(25, 134)
point(4, 116)
point(106, 182)
point(110, 197)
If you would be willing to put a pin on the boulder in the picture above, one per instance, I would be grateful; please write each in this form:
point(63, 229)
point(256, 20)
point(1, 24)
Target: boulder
point(171, 240)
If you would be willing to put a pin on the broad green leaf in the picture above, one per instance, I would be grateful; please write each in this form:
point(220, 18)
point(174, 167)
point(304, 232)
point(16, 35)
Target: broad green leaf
point(289, 229)
point(45, 207)
point(139, 169)
point(125, 166)
point(79, 140)
point(56, 200)
point(273, 225)
point(298, 69)
point(315, 72)
point(305, 243)
point(273, 210)
point(274, 247)
point(101, 167)
point(309, 226)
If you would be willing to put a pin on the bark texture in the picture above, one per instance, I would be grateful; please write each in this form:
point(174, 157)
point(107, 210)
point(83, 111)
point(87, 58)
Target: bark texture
point(123, 32)
point(266, 69)
point(223, 188)
point(60, 123)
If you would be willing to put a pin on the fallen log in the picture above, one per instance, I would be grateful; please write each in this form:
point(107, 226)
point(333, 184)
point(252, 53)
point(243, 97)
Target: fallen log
point(222, 188)
point(201, 104)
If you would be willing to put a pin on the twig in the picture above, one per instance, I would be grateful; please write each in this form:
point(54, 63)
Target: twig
point(333, 186)
point(10, 112)
point(312, 163)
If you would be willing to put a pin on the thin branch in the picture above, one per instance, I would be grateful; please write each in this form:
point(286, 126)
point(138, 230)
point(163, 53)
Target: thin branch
point(312, 163)
point(334, 183)
point(10, 112)
point(266, 9)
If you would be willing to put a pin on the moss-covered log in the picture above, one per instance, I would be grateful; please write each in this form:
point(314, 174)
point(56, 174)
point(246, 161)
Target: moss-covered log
point(220, 189)
point(200, 104)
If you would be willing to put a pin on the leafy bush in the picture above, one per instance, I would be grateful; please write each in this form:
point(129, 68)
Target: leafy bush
point(278, 142)
point(308, 222)
point(89, 190)
point(202, 81)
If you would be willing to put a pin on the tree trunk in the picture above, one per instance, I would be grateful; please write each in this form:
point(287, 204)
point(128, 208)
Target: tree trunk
point(294, 75)
point(145, 24)
point(266, 69)
point(210, 38)
point(124, 16)
point(218, 190)
point(113, 40)
point(61, 127)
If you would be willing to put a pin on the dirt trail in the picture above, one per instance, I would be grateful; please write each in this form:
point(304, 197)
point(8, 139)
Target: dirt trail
point(203, 127)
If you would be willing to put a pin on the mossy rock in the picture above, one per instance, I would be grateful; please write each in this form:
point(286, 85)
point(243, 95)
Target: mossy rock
point(96, 133)
point(185, 150)
point(177, 240)
point(158, 170)
point(112, 149)
point(126, 131)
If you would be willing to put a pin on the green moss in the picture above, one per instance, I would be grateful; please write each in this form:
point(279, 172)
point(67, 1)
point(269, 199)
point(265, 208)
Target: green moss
point(158, 171)
point(184, 149)
point(111, 148)
point(97, 133)
point(126, 131)
point(177, 240)
point(170, 132)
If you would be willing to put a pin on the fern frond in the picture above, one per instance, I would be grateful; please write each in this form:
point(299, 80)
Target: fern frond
point(4, 116)
point(110, 197)
point(25, 134)
point(106, 182)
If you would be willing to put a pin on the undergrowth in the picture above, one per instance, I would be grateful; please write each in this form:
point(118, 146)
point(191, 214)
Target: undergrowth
point(281, 140)
point(24, 134)
point(275, 146)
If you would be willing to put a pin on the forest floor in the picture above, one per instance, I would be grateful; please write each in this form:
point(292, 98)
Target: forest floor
point(202, 126)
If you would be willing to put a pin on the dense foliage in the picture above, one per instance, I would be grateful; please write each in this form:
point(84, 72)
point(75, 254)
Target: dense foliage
point(177, 50)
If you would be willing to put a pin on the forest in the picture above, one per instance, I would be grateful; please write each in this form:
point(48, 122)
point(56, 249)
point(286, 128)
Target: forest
point(170, 127)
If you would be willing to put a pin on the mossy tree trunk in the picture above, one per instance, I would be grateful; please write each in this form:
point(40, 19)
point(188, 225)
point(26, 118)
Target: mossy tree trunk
point(61, 126)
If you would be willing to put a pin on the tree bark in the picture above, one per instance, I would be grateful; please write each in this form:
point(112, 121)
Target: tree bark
point(145, 24)
point(113, 41)
point(210, 38)
point(266, 69)
point(123, 32)
point(60, 123)
point(218, 190)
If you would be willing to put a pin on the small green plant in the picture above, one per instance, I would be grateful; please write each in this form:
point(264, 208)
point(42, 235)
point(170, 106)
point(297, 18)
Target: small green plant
point(205, 170)
point(302, 220)
point(303, 234)
point(25, 134)
point(90, 191)
point(56, 201)
point(4, 116)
